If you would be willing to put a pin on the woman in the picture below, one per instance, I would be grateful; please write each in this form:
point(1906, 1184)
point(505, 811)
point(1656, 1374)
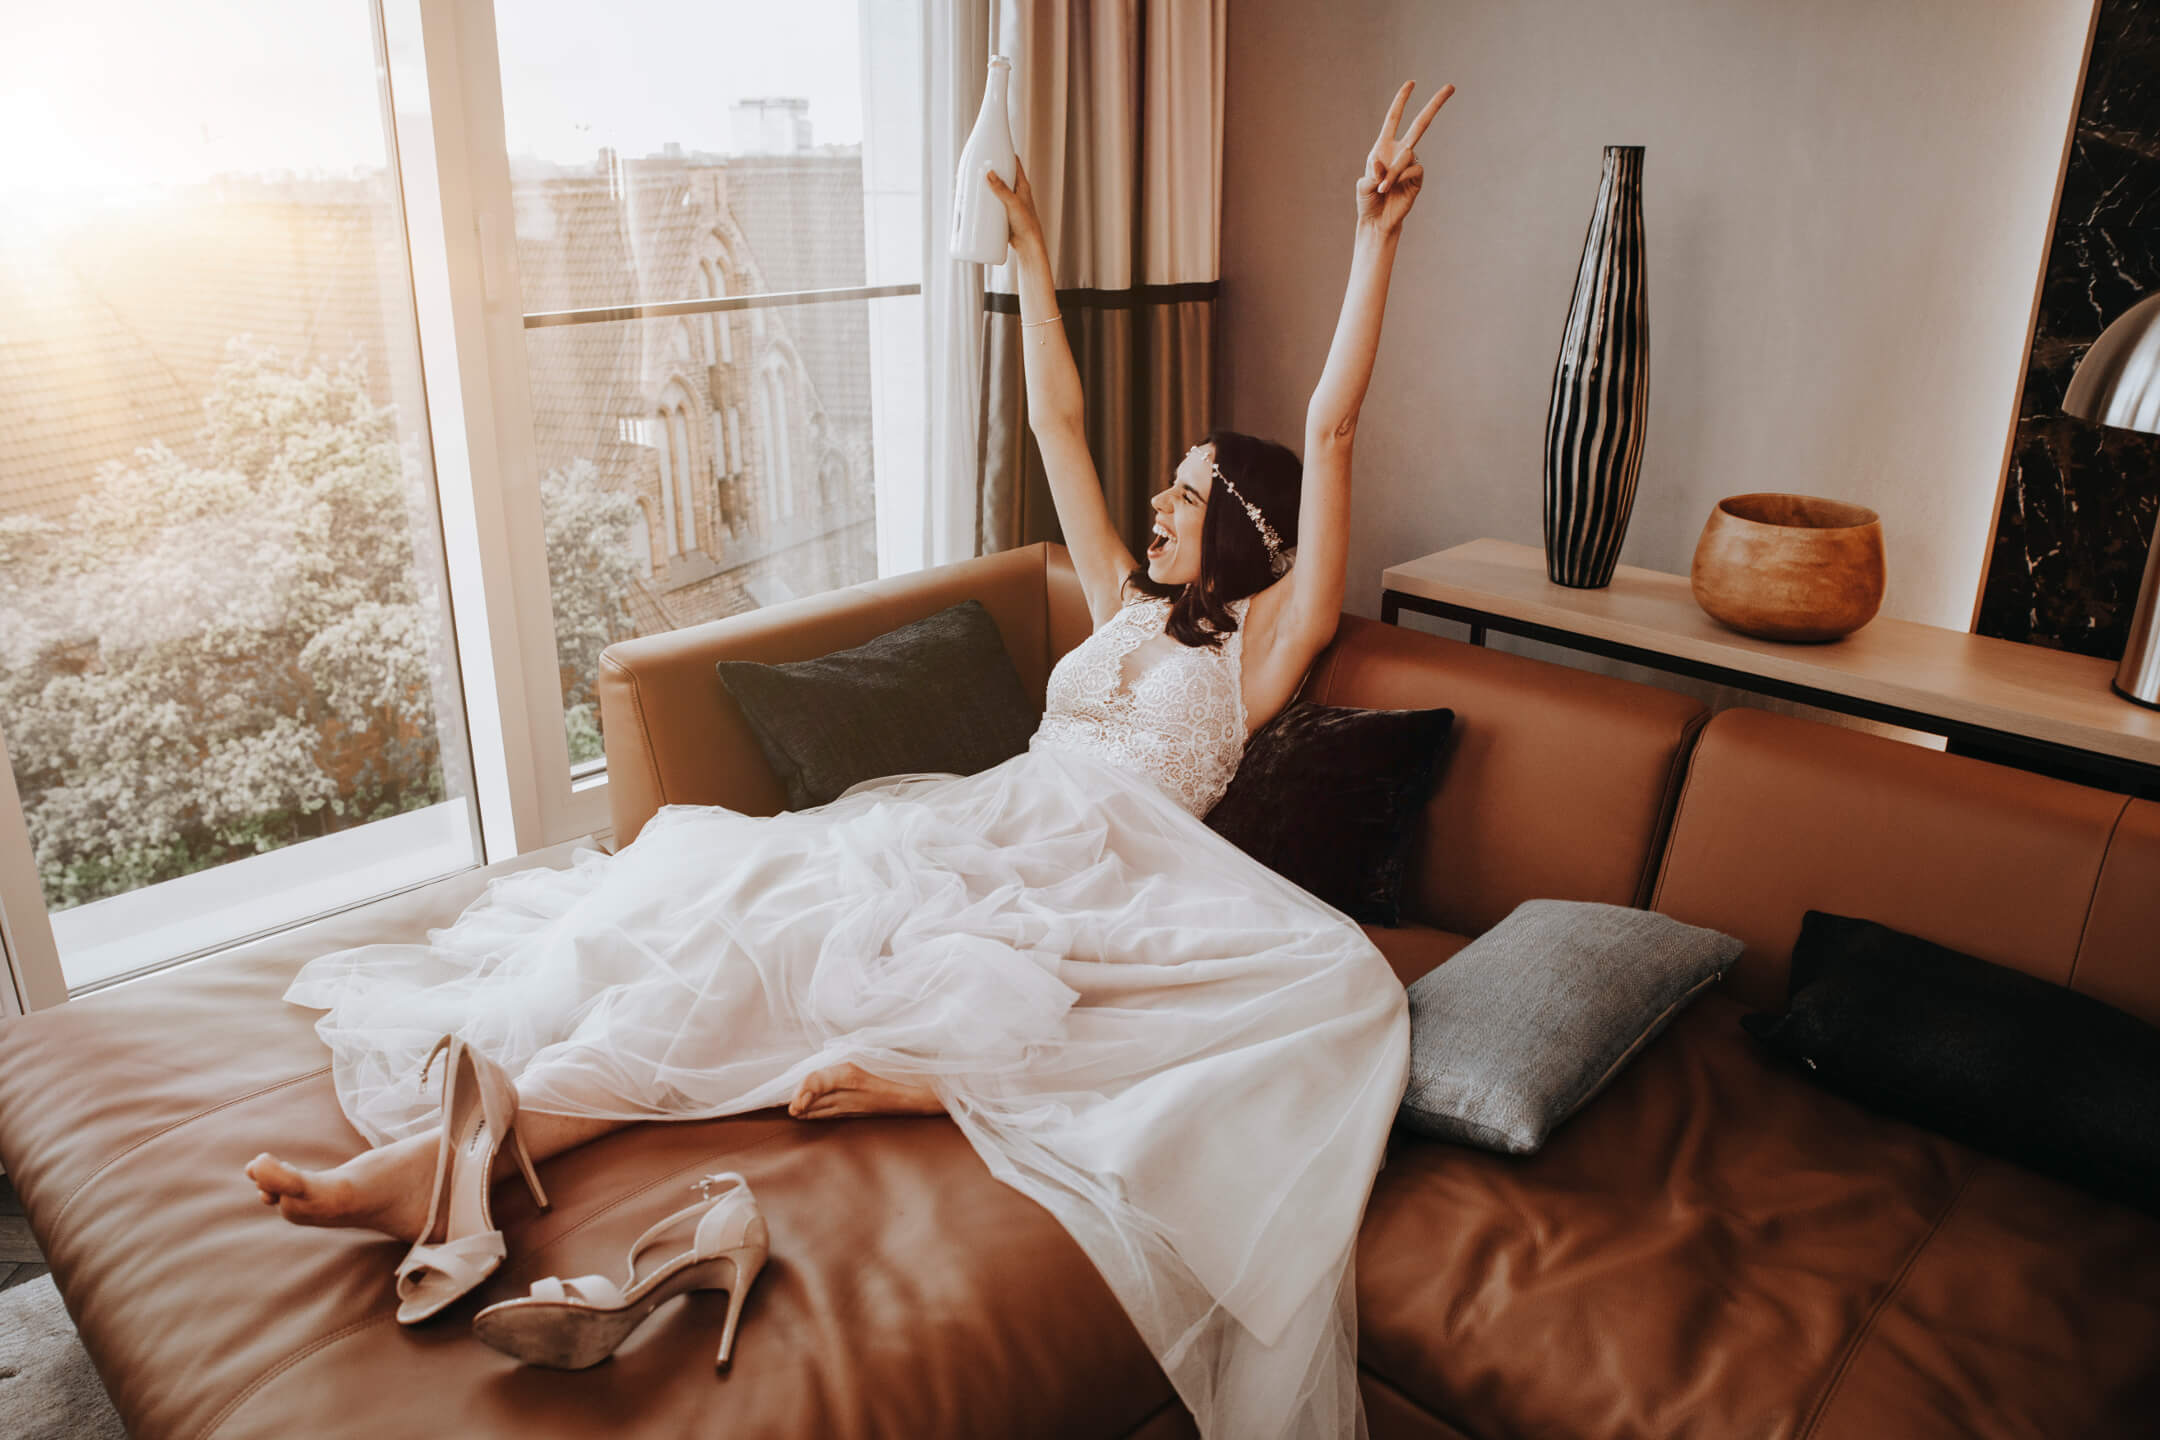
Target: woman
point(1192, 1063)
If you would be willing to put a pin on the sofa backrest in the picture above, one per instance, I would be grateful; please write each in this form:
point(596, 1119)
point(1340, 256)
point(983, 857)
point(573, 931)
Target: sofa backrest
point(1557, 783)
point(675, 736)
point(1781, 815)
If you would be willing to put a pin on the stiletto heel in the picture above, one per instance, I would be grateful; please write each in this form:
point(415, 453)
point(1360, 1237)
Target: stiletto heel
point(573, 1324)
point(478, 1115)
point(741, 1272)
point(525, 1164)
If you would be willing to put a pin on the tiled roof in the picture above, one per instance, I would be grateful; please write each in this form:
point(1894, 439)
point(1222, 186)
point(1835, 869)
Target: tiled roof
point(316, 270)
point(77, 388)
point(114, 338)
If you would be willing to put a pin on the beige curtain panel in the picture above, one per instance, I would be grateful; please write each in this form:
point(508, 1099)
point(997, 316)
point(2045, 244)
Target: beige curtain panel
point(1117, 112)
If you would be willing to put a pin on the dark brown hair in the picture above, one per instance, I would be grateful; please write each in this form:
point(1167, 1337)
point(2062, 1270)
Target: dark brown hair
point(1233, 557)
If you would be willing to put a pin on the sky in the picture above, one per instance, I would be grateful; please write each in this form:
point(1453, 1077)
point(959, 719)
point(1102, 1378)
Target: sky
point(117, 94)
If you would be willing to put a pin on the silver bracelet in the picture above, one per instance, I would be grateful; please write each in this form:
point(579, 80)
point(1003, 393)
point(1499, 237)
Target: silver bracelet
point(1025, 323)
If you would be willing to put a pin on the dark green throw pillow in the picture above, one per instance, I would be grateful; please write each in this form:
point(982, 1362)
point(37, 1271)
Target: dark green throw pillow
point(2004, 1061)
point(938, 694)
point(1331, 798)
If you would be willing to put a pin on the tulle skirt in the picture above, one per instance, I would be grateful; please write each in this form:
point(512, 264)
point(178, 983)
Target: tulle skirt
point(1189, 1061)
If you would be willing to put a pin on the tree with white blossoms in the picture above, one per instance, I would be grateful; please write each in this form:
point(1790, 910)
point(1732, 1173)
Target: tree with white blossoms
point(208, 660)
point(590, 571)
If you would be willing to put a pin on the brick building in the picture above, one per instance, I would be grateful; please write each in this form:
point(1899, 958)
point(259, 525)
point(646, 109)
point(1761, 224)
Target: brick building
point(745, 437)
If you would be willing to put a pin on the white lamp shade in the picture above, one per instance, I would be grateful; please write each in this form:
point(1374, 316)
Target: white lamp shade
point(2118, 381)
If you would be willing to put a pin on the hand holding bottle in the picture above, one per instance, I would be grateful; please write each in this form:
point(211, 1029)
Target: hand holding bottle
point(1393, 177)
point(979, 233)
point(1019, 203)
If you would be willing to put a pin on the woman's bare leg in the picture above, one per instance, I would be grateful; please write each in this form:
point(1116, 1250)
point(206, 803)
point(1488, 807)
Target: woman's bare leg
point(386, 1188)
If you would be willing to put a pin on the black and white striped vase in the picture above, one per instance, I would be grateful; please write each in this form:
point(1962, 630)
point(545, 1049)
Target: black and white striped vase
point(1600, 388)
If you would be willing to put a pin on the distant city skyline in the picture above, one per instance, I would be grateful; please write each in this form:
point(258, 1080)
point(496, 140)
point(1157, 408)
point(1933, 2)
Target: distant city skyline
point(113, 95)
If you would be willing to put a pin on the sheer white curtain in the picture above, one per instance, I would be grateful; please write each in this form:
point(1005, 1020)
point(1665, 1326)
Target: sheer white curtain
point(956, 52)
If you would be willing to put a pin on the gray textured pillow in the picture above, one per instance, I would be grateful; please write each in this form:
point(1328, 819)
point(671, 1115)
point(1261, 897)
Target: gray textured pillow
point(937, 694)
point(1525, 1023)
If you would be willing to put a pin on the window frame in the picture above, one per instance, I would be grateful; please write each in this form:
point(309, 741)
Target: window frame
point(27, 950)
point(442, 72)
point(542, 802)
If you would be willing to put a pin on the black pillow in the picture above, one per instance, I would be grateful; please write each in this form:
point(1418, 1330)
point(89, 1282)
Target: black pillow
point(2004, 1061)
point(938, 694)
point(1330, 798)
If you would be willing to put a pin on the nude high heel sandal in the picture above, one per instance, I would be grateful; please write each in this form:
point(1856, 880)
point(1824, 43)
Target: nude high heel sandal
point(573, 1324)
point(479, 1113)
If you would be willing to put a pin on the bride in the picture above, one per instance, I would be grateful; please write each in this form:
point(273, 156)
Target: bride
point(1189, 1061)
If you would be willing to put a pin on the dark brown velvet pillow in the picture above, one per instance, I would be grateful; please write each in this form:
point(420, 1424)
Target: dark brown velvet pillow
point(1331, 797)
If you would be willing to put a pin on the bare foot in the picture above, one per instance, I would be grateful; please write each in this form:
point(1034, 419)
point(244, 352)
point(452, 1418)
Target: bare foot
point(385, 1189)
point(842, 1090)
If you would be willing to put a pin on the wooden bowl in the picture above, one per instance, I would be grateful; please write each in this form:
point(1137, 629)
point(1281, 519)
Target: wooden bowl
point(1789, 567)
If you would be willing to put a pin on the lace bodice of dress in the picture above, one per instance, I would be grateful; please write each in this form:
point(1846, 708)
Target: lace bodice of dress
point(1174, 713)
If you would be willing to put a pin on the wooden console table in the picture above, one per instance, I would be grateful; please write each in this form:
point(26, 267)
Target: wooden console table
point(2046, 709)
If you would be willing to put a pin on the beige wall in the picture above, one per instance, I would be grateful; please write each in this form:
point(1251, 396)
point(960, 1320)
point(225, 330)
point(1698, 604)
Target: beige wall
point(1846, 204)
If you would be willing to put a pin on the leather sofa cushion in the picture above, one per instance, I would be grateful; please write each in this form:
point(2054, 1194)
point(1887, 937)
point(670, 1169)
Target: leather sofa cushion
point(674, 735)
point(888, 1306)
point(1414, 949)
point(1713, 1248)
point(2116, 955)
point(1558, 783)
point(1780, 816)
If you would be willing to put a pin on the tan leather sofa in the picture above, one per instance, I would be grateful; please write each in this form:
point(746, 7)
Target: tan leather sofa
point(1711, 1248)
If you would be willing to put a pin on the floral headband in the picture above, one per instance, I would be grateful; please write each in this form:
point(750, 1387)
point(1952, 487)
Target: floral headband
point(1279, 558)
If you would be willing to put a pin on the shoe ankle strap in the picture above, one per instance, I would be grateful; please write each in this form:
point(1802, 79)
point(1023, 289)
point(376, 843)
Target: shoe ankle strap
point(712, 1212)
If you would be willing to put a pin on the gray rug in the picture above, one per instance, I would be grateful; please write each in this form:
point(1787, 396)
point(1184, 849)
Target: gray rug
point(47, 1389)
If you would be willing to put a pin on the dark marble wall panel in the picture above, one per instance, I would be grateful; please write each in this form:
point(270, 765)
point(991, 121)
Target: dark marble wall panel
point(2080, 500)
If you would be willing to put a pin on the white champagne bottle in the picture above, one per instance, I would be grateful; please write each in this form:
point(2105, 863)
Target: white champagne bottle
point(979, 229)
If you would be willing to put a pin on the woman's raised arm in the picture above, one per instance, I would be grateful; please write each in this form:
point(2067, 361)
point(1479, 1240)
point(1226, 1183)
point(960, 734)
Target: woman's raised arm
point(1055, 412)
point(1385, 192)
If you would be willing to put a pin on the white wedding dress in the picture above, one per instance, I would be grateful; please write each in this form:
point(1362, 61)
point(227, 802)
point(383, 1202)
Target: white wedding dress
point(1188, 1060)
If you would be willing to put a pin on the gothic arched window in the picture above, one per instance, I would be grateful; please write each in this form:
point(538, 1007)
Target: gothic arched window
point(678, 444)
point(667, 482)
point(780, 442)
point(708, 323)
point(641, 541)
point(724, 320)
point(761, 417)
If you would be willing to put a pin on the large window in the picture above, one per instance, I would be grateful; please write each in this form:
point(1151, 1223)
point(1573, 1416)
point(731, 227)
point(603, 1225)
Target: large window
point(684, 164)
point(227, 681)
point(367, 367)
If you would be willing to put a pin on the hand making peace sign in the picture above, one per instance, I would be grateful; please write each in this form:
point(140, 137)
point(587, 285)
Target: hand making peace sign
point(1393, 176)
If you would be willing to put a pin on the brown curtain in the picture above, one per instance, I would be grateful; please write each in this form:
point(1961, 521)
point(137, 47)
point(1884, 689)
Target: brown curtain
point(1147, 366)
point(1117, 113)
